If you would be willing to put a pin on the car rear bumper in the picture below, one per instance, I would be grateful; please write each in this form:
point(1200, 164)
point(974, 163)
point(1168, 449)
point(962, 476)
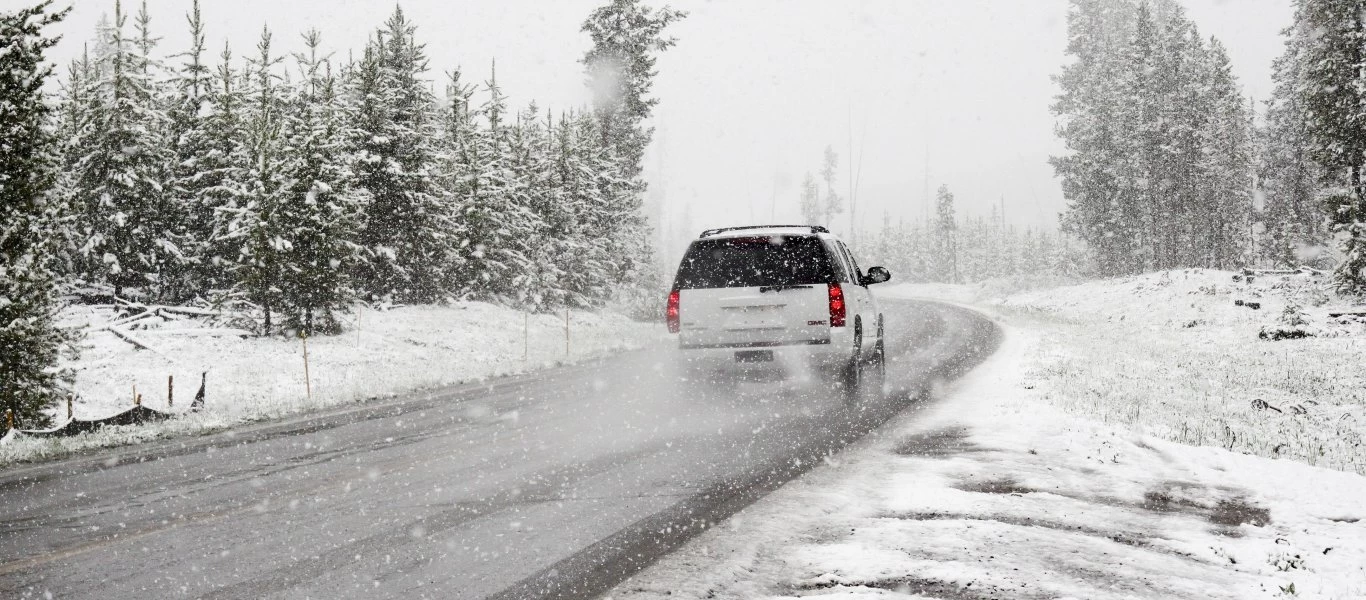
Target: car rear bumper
point(761, 356)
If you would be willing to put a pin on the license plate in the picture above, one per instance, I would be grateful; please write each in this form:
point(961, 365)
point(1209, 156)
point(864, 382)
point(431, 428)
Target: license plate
point(754, 356)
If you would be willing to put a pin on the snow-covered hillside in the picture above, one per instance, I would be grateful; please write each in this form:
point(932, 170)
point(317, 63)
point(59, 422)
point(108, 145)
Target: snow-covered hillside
point(385, 353)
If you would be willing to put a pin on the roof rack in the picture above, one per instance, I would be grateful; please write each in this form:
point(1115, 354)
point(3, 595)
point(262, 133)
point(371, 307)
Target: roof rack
point(813, 228)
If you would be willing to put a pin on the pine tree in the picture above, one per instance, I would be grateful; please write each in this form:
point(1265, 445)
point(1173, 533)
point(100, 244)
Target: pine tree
point(833, 204)
point(406, 221)
point(189, 180)
point(318, 211)
point(121, 170)
point(550, 219)
point(1333, 97)
point(1090, 109)
point(491, 212)
point(30, 339)
point(580, 167)
point(455, 155)
point(811, 201)
point(73, 116)
point(620, 68)
point(259, 266)
point(1228, 165)
point(1289, 178)
point(218, 189)
point(946, 237)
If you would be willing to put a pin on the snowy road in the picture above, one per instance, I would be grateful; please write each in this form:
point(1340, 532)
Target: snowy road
point(557, 484)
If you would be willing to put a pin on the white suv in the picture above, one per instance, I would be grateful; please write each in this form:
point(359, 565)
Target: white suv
point(776, 298)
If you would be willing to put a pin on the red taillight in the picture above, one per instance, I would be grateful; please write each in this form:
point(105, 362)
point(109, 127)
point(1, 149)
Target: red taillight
point(671, 313)
point(836, 305)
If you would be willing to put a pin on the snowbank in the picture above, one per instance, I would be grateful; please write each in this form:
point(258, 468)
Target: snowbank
point(992, 492)
point(389, 352)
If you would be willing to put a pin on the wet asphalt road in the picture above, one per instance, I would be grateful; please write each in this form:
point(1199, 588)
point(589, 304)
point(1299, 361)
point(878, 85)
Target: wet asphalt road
point(553, 485)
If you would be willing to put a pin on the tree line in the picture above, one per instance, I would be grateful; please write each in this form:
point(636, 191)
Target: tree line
point(1165, 167)
point(1159, 167)
point(952, 249)
point(290, 185)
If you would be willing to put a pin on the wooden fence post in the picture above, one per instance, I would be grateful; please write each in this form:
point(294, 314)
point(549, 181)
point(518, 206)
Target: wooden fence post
point(566, 331)
point(308, 381)
point(9, 419)
point(526, 336)
point(170, 391)
point(70, 413)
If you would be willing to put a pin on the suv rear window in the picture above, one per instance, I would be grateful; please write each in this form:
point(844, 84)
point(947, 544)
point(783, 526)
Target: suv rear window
point(754, 262)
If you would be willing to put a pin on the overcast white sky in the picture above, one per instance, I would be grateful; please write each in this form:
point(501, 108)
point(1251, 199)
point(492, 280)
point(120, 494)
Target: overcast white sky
point(755, 89)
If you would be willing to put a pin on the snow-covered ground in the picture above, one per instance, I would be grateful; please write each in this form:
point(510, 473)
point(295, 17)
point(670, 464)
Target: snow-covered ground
point(1055, 469)
point(385, 353)
point(1179, 355)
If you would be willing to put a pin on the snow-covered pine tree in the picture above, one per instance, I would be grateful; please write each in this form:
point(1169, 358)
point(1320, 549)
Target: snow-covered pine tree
point(974, 244)
point(1089, 107)
point(254, 223)
point(586, 264)
point(833, 203)
point(810, 202)
point(1334, 93)
point(31, 341)
point(1228, 165)
point(623, 234)
point(494, 219)
point(407, 222)
point(169, 278)
point(189, 179)
point(72, 116)
point(1289, 178)
point(550, 219)
point(121, 169)
point(455, 151)
point(219, 185)
point(620, 67)
point(1167, 120)
point(318, 212)
point(627, 35)
point(946, 237)
point(532, 277)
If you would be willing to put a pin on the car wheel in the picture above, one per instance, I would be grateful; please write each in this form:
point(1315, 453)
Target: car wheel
point(853, 372)
point(879, 362)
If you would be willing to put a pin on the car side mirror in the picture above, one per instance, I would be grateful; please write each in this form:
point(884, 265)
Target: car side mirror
point(876, 275)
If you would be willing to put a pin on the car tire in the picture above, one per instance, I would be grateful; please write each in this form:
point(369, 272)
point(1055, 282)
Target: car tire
point(851, 376)
point(878, 363)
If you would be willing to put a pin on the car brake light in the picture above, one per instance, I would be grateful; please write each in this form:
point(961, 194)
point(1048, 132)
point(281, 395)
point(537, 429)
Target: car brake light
point(671, 313)
point(836, 305)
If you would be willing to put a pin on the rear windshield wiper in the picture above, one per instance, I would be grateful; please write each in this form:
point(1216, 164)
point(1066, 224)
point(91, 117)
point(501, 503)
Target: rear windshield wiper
point(778, 288)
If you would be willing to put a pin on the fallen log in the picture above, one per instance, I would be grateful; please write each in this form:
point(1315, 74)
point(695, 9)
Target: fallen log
point(201, 331)
point(191, 311)
point(128, 337)
point(125, 321)
point(1356, 311)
